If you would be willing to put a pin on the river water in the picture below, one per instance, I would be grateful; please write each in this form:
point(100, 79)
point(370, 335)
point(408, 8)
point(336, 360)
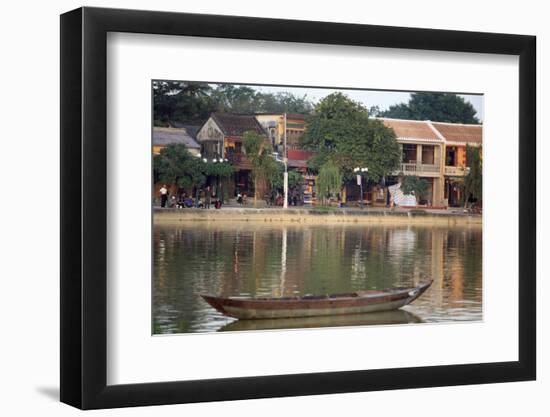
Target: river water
point(274, 259)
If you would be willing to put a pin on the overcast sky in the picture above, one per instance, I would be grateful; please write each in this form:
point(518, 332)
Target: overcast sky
point(369, 98)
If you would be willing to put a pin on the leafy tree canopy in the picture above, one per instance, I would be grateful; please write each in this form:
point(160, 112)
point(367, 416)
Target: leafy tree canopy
point(265, 169)
point(329, 180)
point(182, 101)
point(295, 178)
point(341, 132)
point(411, 184)
point(437, 107)
point(473, 182)
point(175, 165)
point(192, 102)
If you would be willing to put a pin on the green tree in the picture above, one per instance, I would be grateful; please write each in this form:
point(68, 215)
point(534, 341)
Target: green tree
point(411, 184)
point(193, 102)
point(264, 167)
point(222, 169)
point(438, 107)
point(329, 181)
point(284, 102)
point(245, 99)
point(235, 99)
point(340, 131)
point(186, 102)
point(473, 182)
point(295, 178)
point(175, 165)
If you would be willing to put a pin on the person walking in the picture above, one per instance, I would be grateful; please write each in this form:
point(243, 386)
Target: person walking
point(163, 195)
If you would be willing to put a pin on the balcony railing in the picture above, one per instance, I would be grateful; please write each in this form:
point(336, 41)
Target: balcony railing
point(456, 171)
point(419, 169)
point(238, 159)
point(234, 158)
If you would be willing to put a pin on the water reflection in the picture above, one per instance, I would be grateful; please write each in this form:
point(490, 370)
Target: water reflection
point(381, 317)
point(281, 260)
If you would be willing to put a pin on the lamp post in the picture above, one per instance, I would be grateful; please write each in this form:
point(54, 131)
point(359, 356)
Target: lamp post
point(359, 171)
point(219, 182)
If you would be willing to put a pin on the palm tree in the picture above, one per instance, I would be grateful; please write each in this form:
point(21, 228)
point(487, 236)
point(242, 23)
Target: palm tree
point(258, 151)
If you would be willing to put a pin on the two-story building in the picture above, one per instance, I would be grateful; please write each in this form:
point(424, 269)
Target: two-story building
point(422, 150)
point(436, 152)
point(275, 123)
point(457, 136)
point(221, 138)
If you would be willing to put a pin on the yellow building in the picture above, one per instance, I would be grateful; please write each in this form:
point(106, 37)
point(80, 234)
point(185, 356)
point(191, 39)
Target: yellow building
point(274, 125)
point(436, 152)
point(422, 150)
point(457, 136)
point(163, 136)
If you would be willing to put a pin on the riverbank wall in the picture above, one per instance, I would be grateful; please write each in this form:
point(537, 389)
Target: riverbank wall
point(318, 216)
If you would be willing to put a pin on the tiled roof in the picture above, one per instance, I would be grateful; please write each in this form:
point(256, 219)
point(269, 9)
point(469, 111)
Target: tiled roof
point(411, 129)
point(191, 129)
point(297, 163)
point(163, 136)
point(454, 132)
point(237, 124)
point(295, 116)
point(298, 154)
point(298, 158)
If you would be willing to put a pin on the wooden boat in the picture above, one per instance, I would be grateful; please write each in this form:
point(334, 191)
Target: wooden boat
point(314, 305)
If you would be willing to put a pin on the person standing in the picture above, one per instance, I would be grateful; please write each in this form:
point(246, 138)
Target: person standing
point(163, 195)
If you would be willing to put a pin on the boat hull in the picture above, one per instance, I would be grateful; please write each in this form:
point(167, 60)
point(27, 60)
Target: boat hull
point(292, 307)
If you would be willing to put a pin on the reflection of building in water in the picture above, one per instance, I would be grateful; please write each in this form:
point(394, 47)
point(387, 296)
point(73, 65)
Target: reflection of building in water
point(296, 247)
point(358, 266)
point(160, 252)
point(284, 239)
point(457, 280)
point(401, 241)
point(438, 238)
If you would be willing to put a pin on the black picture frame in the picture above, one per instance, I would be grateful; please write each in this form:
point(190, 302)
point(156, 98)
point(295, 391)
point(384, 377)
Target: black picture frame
point(84, 207)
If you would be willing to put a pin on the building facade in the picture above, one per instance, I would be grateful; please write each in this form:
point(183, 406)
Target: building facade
point(457, 138)
point(221, 138)
point(274, 124)
point(163, 136)
point(436, 152)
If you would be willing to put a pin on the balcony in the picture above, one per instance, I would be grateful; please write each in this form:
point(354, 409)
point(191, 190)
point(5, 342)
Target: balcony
point(456, 171)
point(421, 170)
point(239, 160)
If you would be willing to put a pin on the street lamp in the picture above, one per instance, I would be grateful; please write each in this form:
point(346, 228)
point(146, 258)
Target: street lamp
point(359, 171)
